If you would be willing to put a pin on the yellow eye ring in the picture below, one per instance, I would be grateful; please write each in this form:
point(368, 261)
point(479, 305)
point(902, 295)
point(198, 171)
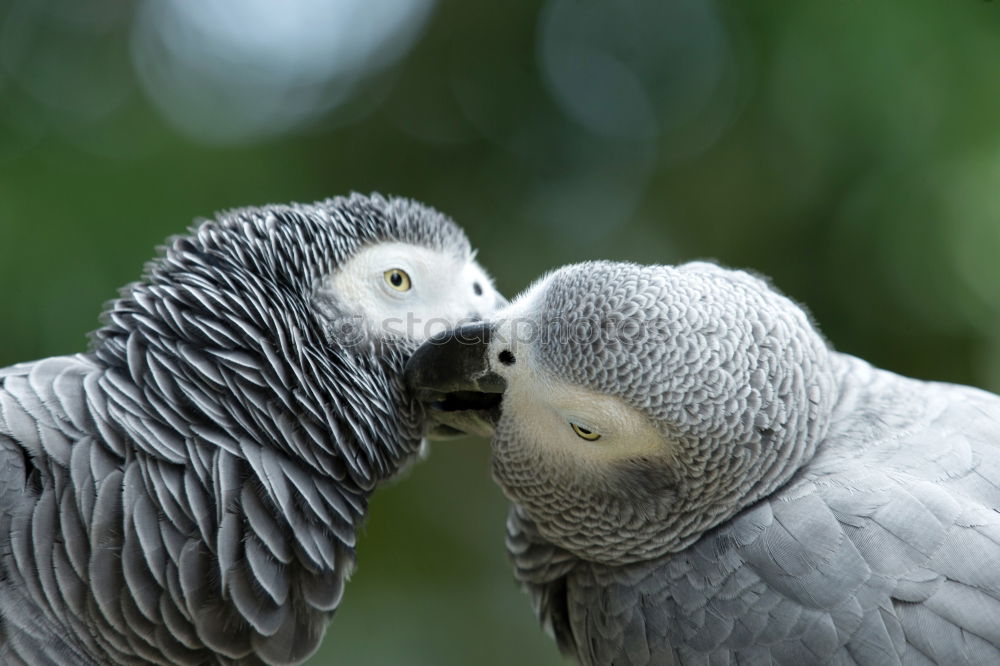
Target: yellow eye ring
point(398, 279)
point(583, 433)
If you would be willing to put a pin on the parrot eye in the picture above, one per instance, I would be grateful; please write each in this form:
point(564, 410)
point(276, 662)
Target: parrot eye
point(583, 433)
point(398, 279)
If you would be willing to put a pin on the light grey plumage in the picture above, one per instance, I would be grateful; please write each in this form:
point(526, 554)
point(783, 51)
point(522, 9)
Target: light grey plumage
point(752, 496)
point(189, 491)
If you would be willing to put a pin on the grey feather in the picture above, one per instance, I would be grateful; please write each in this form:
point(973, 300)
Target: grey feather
point(268, 571)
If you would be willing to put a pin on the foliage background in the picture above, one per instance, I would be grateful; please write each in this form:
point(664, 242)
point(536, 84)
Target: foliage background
point(850, 150)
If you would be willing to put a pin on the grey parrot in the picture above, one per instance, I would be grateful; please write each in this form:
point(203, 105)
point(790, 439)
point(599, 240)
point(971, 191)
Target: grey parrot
point(189, 490)
point(698, 478)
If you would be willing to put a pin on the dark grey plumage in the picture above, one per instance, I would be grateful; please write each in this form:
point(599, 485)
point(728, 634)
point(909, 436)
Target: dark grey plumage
point(751, 496)
point(189, 491)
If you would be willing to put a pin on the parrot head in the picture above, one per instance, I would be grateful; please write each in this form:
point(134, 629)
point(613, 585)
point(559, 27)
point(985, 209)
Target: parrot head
point(290, 325)
point(634, 407)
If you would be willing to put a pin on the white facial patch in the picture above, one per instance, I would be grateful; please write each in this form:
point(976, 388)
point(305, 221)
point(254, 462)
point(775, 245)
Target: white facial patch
point(408, 290)
point(515, 327)
point(543, 410)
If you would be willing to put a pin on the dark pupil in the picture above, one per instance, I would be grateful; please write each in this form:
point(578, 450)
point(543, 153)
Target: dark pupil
point(396, 279)
point(477, 289)
point(583, 430)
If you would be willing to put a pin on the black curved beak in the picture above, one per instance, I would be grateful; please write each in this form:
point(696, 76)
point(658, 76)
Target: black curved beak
point(450, 374)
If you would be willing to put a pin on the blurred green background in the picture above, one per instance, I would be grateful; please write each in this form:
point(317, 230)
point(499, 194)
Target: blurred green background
point(850, 150)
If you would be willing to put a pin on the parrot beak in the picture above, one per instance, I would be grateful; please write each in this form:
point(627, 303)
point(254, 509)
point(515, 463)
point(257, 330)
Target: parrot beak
point(450, 374)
